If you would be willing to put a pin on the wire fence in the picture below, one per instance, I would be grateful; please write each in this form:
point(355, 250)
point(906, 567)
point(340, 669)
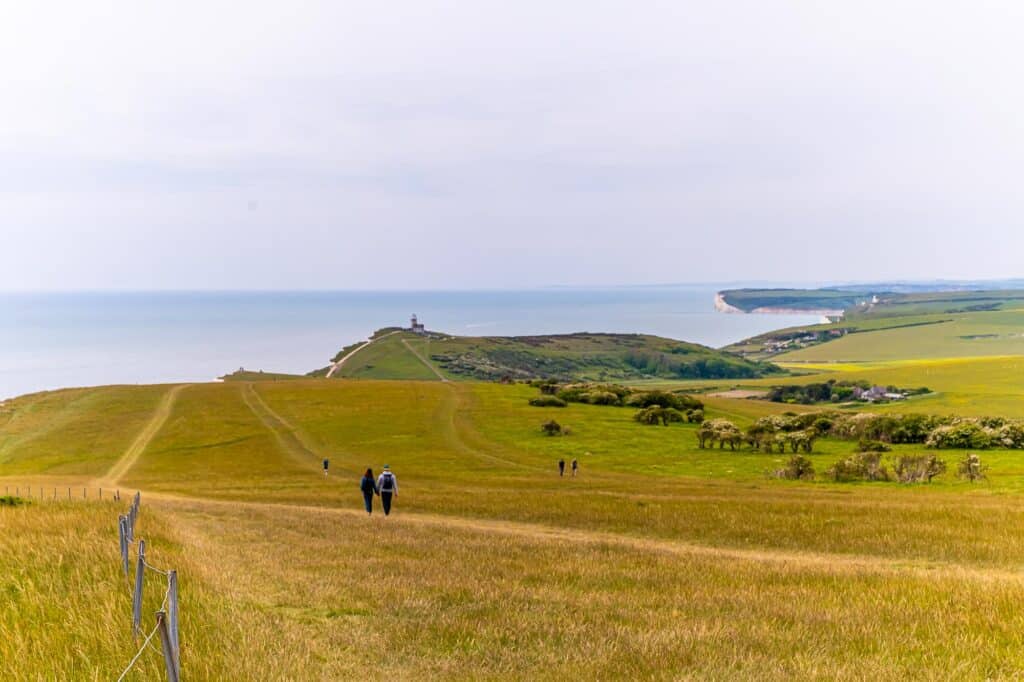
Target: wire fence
point(45, 493)
point(166, 618)
point(165, 627)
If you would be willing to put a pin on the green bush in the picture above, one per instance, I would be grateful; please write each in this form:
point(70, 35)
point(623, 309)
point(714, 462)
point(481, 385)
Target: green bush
point(798, 468)
point(676, 401)
point(919, 468)
point(864, 445)
point(601, 398)
point(548, 401)
point(862, 466)
point(551, 428)
point(961, 435)
point(971, 468)
point(656, 414)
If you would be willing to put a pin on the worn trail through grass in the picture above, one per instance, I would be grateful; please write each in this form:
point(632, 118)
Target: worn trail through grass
point(426, 363)
point(142, 441)
point(289, 437)
point(819, 561)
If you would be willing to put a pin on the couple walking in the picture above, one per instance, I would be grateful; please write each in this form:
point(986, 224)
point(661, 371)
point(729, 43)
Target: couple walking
point(386, 486)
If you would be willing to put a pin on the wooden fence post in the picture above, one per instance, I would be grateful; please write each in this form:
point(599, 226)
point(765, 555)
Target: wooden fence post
point(140, 569)
point(172, 616)
point(122, 527)
point(167, 646)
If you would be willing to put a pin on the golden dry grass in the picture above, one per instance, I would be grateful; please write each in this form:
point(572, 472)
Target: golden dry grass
point(660, 562)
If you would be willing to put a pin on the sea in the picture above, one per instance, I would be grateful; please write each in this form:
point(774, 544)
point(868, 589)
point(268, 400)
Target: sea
point(55, 340)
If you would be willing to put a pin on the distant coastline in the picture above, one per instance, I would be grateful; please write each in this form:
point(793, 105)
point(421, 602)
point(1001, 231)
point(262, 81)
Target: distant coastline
point(723, 306)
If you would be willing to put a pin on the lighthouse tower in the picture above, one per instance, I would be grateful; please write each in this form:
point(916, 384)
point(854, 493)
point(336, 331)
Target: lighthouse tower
point(415, 326)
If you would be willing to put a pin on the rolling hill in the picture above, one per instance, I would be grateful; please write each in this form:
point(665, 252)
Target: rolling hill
point(399, 354)
point(937, 325)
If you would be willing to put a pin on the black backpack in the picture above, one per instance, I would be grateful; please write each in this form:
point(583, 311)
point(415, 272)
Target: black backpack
point(387, 483)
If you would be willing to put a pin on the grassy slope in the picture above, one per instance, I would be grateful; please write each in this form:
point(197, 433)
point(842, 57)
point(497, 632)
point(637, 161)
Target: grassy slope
point(388, 358)
point(962, 335)
point(579, 356)
point(73, 432)
point(657, 562)
point(915, 326)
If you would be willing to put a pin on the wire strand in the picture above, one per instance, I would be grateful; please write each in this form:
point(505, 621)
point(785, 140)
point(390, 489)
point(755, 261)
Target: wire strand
point(142, 650)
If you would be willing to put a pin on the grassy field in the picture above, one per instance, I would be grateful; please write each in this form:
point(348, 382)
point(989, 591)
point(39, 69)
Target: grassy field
point(661, 561)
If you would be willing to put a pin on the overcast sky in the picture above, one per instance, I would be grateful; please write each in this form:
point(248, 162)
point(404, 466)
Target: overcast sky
point(493, 144)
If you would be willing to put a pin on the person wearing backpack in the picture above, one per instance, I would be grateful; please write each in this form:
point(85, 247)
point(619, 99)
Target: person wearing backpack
point(369, 488)
point(388, 486)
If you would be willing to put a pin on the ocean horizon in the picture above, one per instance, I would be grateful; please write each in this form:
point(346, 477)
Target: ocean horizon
point(65, 339)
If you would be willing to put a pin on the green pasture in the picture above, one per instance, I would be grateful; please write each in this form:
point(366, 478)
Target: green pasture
point(964, 335)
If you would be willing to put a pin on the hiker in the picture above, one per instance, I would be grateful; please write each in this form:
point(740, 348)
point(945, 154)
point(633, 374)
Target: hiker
point(327, 463)
point(561, 467)
point(369, 488)
point(387, 484)
point(575, 468)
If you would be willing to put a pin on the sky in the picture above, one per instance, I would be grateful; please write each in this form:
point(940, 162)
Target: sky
point(425, 144)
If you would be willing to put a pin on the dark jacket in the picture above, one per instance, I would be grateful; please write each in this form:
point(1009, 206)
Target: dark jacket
point(367, 485)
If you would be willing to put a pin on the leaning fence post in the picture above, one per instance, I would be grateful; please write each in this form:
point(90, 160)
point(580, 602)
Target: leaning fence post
point(167, 646)
point(172, 615)
point(140, 569)
point(122, 527)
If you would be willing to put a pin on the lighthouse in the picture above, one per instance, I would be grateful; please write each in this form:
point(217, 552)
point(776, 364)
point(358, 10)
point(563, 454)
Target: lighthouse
point(415, 327)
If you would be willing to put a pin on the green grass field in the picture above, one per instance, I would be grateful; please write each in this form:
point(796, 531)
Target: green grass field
point(661, 561)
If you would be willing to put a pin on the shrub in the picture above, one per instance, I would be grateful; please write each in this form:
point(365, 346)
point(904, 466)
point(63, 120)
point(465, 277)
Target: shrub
point(10, 501)
point(601, 398)
point(864, 445)
point(548, 401)
point(822, 425)
point(593, 394)
point(551, 428)
point(919, 468)
point(971, 468)
point(1010, 435)
point(721, 431)
point(664, 399)
point(654, 415)
point(548, 388)
point(960, 435)
point(695, 416)
point(798, 468)
point(861, 466)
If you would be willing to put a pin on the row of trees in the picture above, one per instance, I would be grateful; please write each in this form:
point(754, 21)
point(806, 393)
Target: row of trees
point(869, 466)
point(831, 391)
point(616, 395)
